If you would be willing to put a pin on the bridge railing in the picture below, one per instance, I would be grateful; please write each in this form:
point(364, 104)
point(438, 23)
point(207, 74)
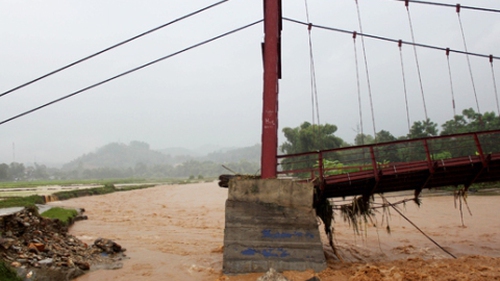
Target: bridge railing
point(401, 155)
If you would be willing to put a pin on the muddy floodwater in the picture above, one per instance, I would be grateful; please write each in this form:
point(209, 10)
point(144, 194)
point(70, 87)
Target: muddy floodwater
point(176, 232)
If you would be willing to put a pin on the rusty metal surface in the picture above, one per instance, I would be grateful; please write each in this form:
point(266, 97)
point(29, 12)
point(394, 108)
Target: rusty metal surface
point(271, 48)
point(461, 159)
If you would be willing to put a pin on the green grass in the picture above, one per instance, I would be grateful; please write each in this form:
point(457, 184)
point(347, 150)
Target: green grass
point(107, 188)
point(27, 184)
point(20, 184)
point(65, 195)
point(27, 201)
point(68, 194)
point(62, 214)
point(7, 273)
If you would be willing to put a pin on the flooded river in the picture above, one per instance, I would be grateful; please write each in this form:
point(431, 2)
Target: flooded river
point(176, 232)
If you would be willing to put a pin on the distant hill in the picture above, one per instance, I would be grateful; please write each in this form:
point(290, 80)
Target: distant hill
point(123, 156)
point(179, 151)
point(119, 155)
point(249, 154)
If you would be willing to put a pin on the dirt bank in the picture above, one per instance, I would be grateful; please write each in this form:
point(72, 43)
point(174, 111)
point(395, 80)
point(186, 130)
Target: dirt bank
point(176, 233)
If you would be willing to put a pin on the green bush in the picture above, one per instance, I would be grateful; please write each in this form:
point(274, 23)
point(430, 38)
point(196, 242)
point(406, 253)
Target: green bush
point(7, 273)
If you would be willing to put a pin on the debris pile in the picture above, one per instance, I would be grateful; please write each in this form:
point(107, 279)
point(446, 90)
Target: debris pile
point(36, 246)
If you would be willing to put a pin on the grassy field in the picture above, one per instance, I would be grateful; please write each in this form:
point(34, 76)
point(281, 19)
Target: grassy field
point(24, 184)
point(31, 184)
point(27, 201)
point(21, 201)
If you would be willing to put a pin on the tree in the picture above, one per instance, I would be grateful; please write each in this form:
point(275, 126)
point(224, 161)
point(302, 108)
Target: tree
point(362, 139)
point(139, 145)
point(40, 171)
point(384, 136)
point(470, 121)
point(306, 138)
point(423, 129)
point(4, 172)
point(16, 170)
point(388, 153)
point(309, 137)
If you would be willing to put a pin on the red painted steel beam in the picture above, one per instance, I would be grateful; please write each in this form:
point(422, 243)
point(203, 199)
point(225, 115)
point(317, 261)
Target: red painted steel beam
point(272, 24)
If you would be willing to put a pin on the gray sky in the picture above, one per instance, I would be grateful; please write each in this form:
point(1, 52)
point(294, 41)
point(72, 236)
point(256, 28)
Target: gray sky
point(213, 95)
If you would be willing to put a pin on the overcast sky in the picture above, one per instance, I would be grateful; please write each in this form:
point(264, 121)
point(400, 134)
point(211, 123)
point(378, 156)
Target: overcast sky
point(212, 95)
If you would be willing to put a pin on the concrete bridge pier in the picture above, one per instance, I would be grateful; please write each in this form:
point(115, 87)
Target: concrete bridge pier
point(271, 223)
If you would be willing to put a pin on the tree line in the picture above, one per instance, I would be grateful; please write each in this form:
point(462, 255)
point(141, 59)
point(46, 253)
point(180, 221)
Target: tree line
point(192, 168)
point(308, 137)
point(137, 160)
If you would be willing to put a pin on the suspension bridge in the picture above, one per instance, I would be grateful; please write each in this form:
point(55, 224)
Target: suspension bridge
point(411, 164)
point(263, 228)
point(287, 235)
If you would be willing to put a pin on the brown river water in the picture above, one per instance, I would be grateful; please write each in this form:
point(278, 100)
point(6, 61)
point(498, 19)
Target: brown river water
point(176, 232)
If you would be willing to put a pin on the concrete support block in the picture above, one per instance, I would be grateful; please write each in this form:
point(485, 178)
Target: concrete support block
point(271, 224)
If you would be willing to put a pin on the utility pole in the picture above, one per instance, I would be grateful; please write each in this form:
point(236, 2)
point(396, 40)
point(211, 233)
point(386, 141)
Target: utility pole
point(272, 73)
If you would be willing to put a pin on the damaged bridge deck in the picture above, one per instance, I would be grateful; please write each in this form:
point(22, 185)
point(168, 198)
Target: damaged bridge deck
point(452, 160)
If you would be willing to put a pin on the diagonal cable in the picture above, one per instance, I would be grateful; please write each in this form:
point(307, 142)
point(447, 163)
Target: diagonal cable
point(110, 48)
point(382, 38)
point(130, 71)
point(453, 6)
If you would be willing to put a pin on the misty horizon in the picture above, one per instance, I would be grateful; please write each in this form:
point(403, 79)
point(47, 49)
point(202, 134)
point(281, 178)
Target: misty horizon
point(213, 94)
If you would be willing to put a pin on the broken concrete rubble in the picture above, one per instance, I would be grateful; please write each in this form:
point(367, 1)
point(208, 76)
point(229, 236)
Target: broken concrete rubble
point(42, 247)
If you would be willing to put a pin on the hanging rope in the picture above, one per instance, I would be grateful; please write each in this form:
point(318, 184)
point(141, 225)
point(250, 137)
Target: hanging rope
point(467, 56)
point(367, 72)
point(451, 82)
point(312, 71)
point(494, 83)
point(354, 34)
point(400, 44)
point(416, 59)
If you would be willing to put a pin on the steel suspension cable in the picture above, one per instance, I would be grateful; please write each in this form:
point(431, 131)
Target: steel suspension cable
point(312, 71)
point(451, 82)
point(131, 71)
point(382, 38)
point(416, 60)
point(453, 6)
point(112, 47)
point(467, 56)
point(494, 83)
point(400, 45)
point(358, 88)
point(367, 72)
